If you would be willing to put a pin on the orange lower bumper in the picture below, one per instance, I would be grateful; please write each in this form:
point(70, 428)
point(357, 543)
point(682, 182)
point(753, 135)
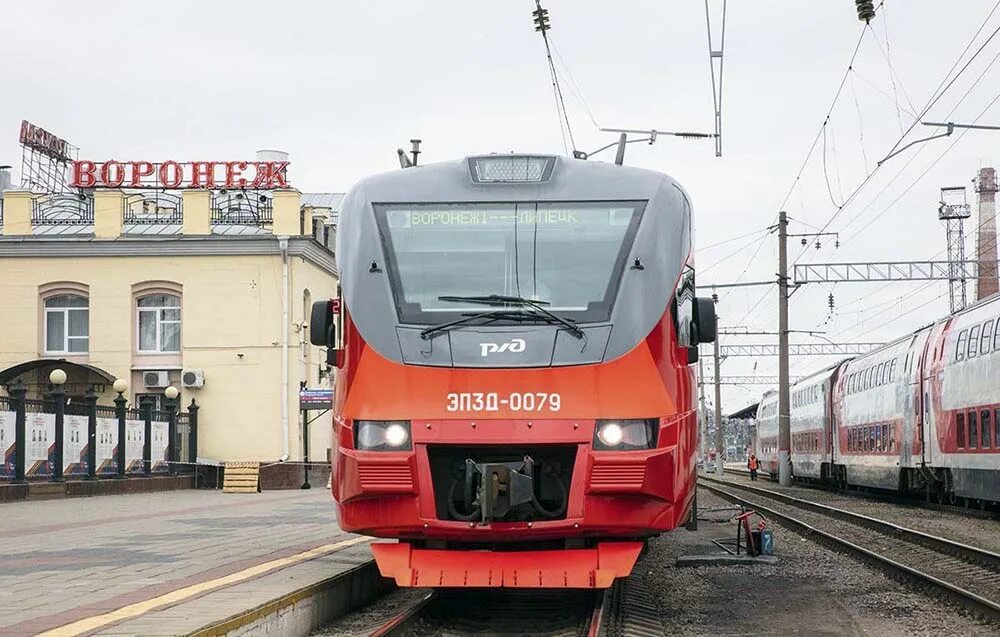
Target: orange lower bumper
point(569, 568)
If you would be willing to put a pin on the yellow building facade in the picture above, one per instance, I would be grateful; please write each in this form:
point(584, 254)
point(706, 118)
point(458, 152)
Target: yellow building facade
point(191, 292)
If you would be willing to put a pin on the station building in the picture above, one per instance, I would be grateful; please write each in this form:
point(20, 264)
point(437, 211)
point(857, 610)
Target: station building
point(206, 290)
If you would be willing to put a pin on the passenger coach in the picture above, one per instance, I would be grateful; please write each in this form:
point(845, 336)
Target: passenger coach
point(515, 401)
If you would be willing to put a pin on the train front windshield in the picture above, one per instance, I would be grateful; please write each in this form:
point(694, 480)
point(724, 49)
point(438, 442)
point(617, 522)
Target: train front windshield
point(570, 255)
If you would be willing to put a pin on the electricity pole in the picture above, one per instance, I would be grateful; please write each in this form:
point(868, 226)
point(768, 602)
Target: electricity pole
point(784, 430)
point(718, 409)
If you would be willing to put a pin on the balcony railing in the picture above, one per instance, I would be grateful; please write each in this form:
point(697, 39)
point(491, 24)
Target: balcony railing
point(242, 208)
point(152, 207)
point(63, 209)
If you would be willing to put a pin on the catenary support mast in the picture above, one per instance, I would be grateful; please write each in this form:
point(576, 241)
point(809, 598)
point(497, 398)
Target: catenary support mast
point(784, 432)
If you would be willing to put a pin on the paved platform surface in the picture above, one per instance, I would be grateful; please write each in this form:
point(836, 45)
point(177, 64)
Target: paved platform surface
point(162, 563)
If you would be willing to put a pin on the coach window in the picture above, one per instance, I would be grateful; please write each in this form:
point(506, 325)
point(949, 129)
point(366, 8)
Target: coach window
point(984, 423)
point(996, 428)
point(996, 336)
point(960, 347)
point(984, 340)
point(973, 431)
point(892, 370)
point(960, 429)
point(973, 348)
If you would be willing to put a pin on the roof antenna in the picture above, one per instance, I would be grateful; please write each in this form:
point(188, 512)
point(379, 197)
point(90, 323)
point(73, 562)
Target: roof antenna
point(414, 149)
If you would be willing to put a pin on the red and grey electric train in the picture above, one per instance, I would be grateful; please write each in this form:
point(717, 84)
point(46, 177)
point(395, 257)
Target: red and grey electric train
point(514, 399)
point(919, 414)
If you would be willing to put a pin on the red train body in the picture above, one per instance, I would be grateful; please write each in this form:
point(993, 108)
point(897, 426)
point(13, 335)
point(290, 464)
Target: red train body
point(550, 466)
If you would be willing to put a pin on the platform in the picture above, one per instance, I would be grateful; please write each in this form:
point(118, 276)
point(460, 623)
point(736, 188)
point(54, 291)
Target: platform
point(170, 563)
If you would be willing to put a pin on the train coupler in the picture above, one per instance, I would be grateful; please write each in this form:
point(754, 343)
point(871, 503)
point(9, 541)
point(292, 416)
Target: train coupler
point(497, 488)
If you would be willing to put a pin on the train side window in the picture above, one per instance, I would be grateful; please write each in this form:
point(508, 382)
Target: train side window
point(960, 429)
point(984, 423)
point(960, 346)
point(996, 428)
point(973, 349)
point(996, 336)
point(892, 438)
point(973, 431)
point(892, 370)
point(984, 340)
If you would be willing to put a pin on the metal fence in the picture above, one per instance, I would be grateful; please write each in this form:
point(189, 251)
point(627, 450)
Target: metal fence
point(152, 208)
point(51, 439)
point(242, 208)
point(63, 209)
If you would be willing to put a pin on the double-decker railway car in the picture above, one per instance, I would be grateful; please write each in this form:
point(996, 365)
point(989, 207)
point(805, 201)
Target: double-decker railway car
point(766, 443)
point(919, 414)
point(514, 402)
point(962, 412)
point(811, 402)
point(868, 417)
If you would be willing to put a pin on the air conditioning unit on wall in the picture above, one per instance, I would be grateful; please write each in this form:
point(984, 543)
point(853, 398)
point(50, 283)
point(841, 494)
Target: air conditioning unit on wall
point(155, 379)
point(193, 378)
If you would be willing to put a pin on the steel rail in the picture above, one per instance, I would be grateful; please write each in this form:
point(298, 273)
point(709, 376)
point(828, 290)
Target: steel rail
point(593, 618)
point(404, 619)
point(986, 608)
point(883, 495)
point(962, 551)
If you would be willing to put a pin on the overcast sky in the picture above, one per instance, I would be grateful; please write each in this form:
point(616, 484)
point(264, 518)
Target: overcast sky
point(341, 85)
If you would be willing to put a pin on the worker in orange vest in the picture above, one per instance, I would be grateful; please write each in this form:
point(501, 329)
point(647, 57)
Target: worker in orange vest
point(753, 464)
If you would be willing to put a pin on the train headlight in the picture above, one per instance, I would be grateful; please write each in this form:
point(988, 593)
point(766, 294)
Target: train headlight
point(625, 435)
point(382, 435)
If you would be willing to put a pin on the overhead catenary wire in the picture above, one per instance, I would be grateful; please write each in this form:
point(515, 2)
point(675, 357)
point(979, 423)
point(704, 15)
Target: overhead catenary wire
point(541, 19)
point(938, 93)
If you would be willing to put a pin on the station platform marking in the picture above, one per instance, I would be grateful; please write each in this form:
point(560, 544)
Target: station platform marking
point(84, 626)
point(70, 560)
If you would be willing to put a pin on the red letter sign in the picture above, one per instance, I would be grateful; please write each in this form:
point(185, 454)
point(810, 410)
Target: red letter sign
point(203, 174)
point(140, 169)
point(166, 179)
point(112, 174)
point(233, 170)
point(83, 174)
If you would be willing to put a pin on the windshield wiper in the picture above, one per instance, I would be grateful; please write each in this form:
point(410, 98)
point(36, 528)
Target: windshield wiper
point(539, 307)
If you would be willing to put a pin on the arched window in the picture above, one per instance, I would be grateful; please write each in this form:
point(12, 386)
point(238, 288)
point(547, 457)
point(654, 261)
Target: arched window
point(67, 324)
point(158, 320)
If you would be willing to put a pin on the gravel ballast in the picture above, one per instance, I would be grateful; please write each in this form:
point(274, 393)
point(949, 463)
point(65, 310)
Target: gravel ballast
point(811, 590)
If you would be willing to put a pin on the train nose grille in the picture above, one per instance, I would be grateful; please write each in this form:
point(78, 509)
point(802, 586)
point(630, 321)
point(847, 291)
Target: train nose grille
point(385, 477)
point(618, 476)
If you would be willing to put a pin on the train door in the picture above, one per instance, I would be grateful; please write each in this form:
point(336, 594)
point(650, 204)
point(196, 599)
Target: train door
point(913, 405)
point(925, 372)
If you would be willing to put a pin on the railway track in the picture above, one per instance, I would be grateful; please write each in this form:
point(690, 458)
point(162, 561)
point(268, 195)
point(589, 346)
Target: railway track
point(888, 496)
point(966, 574)
point(628, 608)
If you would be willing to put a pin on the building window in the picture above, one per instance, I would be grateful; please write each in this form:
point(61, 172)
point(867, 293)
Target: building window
point(67, 324)
point(159, 323)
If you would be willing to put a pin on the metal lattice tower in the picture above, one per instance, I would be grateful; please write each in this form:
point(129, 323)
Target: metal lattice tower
point(953, 211)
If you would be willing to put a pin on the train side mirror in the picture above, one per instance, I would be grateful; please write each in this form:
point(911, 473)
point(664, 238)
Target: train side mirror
point(705, 320)
point(323, 331)
point(321, 326)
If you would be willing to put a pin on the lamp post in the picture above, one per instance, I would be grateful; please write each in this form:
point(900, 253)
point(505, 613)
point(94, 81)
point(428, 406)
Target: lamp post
point(58, 378)
point(171, 394)
point(121, 387)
